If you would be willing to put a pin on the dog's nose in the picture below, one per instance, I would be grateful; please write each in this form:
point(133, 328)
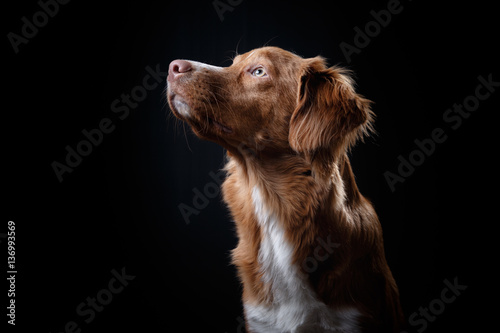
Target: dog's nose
point(177, 68)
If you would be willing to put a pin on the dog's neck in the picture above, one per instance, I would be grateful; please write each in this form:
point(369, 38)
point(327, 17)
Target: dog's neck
point(274, 170)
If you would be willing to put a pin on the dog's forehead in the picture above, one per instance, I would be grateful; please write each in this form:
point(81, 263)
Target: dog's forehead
point(247, 56)
point(270, 53)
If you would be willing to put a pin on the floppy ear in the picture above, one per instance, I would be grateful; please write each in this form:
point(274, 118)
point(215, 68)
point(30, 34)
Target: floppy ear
point(329, 113)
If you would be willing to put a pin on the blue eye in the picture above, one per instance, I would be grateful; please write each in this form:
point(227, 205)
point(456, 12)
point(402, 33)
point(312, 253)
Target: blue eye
point(259, 72)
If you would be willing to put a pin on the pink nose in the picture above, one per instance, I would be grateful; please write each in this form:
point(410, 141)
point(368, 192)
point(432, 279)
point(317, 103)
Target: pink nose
point(177, 68)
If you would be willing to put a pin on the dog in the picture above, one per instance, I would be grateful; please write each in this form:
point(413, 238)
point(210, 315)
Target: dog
point(310, 251)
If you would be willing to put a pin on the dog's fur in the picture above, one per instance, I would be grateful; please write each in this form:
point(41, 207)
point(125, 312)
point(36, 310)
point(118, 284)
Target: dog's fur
point(310, 252)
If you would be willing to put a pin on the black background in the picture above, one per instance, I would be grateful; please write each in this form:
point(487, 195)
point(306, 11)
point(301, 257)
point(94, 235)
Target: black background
point(119, 207)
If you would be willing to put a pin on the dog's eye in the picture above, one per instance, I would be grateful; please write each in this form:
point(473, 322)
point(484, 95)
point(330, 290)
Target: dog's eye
point(259, 72)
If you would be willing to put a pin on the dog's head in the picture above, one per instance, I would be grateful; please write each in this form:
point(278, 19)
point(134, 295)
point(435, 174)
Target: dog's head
point(270, 100)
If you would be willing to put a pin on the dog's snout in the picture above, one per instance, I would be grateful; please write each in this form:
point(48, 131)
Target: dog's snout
point(177, 68)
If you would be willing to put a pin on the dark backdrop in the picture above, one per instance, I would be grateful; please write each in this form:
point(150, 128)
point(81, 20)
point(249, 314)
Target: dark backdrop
point(117, 212)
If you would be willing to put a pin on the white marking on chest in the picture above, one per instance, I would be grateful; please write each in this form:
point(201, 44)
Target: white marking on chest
point(295, 307)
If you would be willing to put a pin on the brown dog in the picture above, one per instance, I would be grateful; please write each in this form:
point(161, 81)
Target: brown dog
point(310, 252)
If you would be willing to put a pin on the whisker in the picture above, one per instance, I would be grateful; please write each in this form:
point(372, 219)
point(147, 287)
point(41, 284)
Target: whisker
point(207, 122)
point(225, 104)
point(215, 98)
point(213, 84)
point(270, 40)
point(185, 136)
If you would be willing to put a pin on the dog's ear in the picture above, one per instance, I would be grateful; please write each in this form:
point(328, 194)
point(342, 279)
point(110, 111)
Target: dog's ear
point(329, 113)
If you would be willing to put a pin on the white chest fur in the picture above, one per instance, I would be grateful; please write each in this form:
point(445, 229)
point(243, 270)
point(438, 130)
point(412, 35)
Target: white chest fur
point(295, 307)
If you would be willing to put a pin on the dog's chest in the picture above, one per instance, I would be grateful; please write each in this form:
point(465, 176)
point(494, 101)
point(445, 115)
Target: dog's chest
point(294, 306)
